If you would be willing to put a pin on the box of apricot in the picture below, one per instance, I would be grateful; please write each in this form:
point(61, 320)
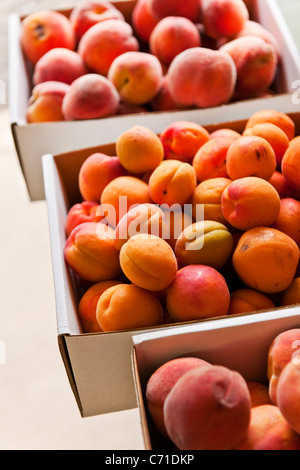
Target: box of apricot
point(232, 384)
point(155, 231)
point(76, 76)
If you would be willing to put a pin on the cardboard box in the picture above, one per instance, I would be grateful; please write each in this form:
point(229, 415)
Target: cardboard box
point(34, 140)
point(98, 365)
point(239, 343)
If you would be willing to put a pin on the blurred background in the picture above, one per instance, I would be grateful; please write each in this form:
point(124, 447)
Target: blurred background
point(37, 407)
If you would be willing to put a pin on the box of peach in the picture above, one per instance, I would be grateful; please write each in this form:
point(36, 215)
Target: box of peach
point(79, 76)
point(155, 231)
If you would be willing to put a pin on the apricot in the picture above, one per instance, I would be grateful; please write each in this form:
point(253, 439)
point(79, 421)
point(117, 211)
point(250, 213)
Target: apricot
point(96, 172)
point(207, 243)
point(250, 156)
point(86, 211)
point(268, 430)
point(290, 164)
point(280, 119)
point(202, 77)
point(208, 194)
point(148, 261)
point(226, 133)
point(182, 139)
point(172, 182)
point(88, 305)
point(143, 20)
point(266, 259)
point(224, 18)
point(120, 195)
point(291, 295)
point(89, 251)
point(250, 202)
point(189, 9)
point(161, 382)
point(281, 185)
point(208, 408)
point(139, 149)
point(288, 220)
point(197, 292)
point(177, 219)
point(211, 159)
point(288, 390)
point(46, 102)
point(127, 307)
point(259, 394)
point(248, 301)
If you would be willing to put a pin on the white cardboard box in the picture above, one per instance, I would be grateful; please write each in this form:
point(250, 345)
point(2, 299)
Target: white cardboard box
point(34, 140)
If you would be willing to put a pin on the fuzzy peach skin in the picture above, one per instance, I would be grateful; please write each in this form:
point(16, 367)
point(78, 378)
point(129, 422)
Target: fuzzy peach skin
point(288, 391)
point(89, 13)
point(259, 394)
point(46, 101)
point(256, 65)
point(208, 408)
point(171, 36)
point(224, 18)
point(269, 430)
point(208, 195)
point(120, 195)
point(288, 219)
point(266, 260)
point(211, 159)
point(253, 28)
point(248, 301)
point(139, 149)
point(201, 77)
point(206, 242)
point(197, 292)
point(172, 182)
point(163, 100)
point(251, 156)
point(90, 97)
point(273, 116)
point(190, 9)
point(291, 295)
point(149, 262)
point(250, 202)
point(88, 305)
point(86, 211)
point(44, 30)
point(96, 172)
point(137, 76)
point(161, 382)
point(89, 251)
point(290, 164)
point(143, 20)
point(182, 139)
point(105, 41)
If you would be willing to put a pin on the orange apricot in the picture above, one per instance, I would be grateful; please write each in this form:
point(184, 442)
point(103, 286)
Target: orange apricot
point(210, 160)
point(280, 119)
point(248, 301)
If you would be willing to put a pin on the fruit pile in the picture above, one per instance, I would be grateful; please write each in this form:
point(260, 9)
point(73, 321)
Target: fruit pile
point(197, 405)
point(188, 224)
point(172, 55)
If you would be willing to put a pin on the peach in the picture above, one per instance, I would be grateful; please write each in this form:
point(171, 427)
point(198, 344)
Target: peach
point(208, 408)
point(143, 20)
point(172, 182)
point(208, 194)
point(253, 28)
point(256, 65)
point(288, 390)
point(126, 108)
point(248, 301)
point(139, 149)
point(291, 163)
point(224, 18)
point(197, 292)
point(189, 9)
point(250, 156)
point(211, 159)
point(120, 195)
point(89, 13)
point(105, 41)
point(88, 305)
point(208, 243)
point(226, 133)
point(259, 394)
point(182, 139)
point(60, 65)
point(172, 35)
point(96, 172)
point(288, 219)
point(90, 97)
point(177, 219)
point(273, 116)
point(90, 252)
point(148, 262)
point(80, 213)
point(269, 430)
point(202, 78)
point(163, 100)
point(266, 260)
point(276, 137)
point(291, 295)
point(250, 202)
point(161, 382)
point(46, 101)
point(44, 30)
point(127, 307)
point(137, 76)
point(281, 185)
